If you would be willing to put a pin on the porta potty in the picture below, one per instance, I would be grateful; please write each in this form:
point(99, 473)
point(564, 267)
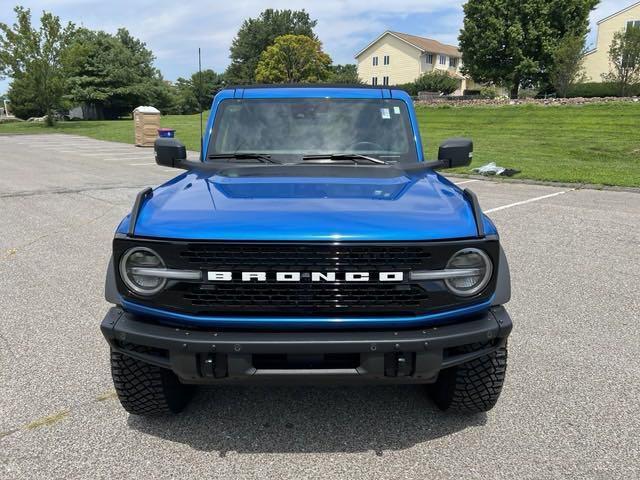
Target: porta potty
point(146, 122)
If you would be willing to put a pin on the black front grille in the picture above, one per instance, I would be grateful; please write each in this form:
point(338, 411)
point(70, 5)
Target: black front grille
point(301, 298)
point(306, 298)
point(306, 257)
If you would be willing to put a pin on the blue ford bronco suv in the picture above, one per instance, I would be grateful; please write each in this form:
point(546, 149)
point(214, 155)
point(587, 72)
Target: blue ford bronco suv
point(311, 243)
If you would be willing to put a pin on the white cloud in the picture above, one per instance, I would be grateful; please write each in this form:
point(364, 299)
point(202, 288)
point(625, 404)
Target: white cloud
point(174, 30)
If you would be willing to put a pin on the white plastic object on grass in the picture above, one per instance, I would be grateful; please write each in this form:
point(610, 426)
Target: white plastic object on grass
point(489, 169)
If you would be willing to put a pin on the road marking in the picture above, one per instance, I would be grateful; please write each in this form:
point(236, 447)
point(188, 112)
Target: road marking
point(140, 164)
point(93, 153)
point(109, 153)
point(466, 181)
point(106, 157)
point(92, 149)
point(68, 148)
point(531, 200)
point(124, 157)
point(57, 145)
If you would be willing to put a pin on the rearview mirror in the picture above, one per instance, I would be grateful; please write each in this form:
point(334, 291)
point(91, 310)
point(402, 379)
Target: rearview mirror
point(170, 152)
point(455, 152)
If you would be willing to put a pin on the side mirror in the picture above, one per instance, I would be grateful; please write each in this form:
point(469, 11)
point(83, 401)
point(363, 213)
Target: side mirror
point(170, 152)
point(455, 152)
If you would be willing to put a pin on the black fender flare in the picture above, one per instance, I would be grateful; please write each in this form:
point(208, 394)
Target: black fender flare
point(111, 294)
point(503, 285)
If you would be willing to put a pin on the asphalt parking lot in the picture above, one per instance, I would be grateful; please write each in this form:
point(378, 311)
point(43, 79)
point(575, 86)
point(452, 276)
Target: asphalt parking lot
point(570, 407)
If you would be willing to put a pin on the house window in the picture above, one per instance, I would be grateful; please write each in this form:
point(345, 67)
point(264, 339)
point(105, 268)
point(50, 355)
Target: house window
point(453, 62)
point(429, 58)
point(385, 80)
point(375, 61)
point(374, 81)
point(633, 24)
point(443, 59)
point(385, 60)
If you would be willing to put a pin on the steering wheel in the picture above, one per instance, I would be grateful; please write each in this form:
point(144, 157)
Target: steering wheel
point(359, 146)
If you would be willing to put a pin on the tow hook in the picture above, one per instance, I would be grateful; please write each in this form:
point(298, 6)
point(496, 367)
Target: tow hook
point(399, 364)
point(214, 366)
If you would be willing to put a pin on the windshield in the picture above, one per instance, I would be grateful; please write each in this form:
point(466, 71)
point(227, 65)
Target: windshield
point(289, 129)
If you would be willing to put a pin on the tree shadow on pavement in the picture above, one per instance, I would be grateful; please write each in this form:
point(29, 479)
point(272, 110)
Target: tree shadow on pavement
point(307, 420)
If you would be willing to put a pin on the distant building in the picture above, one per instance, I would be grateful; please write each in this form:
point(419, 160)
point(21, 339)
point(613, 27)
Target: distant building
point(395, 58)
point(596, 62)
point(5, 112)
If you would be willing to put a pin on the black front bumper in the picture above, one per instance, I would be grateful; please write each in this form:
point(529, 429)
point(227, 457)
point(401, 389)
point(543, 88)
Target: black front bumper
point(403, 356)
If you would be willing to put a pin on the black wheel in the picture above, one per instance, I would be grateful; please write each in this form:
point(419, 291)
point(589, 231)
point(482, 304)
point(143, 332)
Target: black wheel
point(472, 387)
point(145, 389)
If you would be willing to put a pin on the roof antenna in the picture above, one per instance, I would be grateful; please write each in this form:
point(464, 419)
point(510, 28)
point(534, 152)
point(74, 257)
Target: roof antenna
point(200, 103)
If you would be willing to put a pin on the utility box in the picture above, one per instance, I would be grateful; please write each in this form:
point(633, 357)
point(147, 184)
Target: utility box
point(146, 121)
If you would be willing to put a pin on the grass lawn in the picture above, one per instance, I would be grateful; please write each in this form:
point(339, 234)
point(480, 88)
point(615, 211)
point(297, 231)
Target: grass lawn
point(598, 144)
point(187, 126)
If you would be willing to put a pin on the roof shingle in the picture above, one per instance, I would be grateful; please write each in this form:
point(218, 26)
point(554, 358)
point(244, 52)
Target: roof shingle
point(428, 44)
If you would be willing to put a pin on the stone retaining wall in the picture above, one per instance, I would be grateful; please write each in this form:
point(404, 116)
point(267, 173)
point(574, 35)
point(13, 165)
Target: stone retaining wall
point(526, 101)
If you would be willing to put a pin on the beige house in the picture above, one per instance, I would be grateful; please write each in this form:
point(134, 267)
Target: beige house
point(596, 61)
point(395, 58)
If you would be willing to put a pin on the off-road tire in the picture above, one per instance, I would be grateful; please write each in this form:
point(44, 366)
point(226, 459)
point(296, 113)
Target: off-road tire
point(471, 387)
point(145, 389)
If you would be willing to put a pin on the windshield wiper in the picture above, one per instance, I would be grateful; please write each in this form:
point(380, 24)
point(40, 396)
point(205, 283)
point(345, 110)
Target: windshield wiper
point(261, 157)
point(355, 157)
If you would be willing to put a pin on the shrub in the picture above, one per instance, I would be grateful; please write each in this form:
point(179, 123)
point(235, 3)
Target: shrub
point(469, 93)
point(436, 81)
point(605, 89)
point(489, 92)
point(411, 88)
point(527, 93)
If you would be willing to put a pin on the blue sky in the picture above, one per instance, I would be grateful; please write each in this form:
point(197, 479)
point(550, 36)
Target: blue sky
point(174, 30)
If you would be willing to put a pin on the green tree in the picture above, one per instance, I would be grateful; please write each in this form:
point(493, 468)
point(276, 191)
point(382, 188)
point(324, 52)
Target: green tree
point(186, 98)
point(162, 95)
point(114, 73)
point(512, 42)
point(344, 74)
point(24, 99)
point(567, 68)
point(293, 59)
point(624, 57)
point(437, 81)
point(256, 34)
point(198, 91)
point(205, 85)
point(33, 59)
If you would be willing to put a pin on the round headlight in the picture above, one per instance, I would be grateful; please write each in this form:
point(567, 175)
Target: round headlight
point(477, 267)
point(140, 258)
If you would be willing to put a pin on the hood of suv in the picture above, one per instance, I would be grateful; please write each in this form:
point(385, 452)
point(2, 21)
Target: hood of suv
point(354, 207)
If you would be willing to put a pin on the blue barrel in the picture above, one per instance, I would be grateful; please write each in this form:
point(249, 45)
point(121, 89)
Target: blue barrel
point(166, 132)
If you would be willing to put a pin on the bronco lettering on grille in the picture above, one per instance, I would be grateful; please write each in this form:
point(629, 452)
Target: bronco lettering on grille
point(306, 276)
